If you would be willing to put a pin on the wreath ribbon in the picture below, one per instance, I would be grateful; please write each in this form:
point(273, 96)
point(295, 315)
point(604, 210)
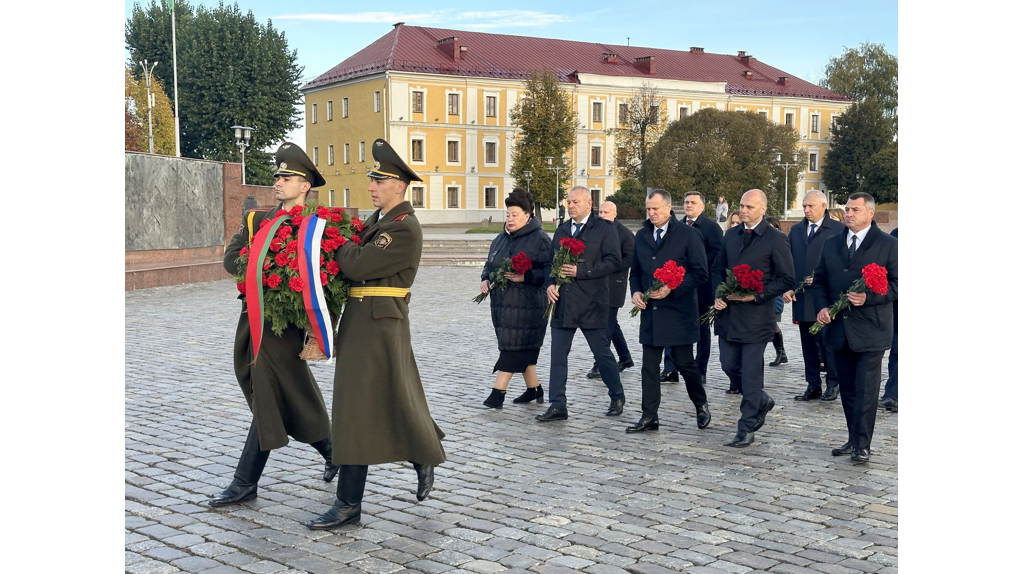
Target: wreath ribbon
point(254, 280)
point(310, 233)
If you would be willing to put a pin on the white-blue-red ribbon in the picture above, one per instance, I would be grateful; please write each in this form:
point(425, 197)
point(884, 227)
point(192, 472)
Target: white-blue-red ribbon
point(311, 231)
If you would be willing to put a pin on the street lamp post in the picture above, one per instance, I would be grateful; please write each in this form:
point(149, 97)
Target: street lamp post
point(786, 166)
point(147, 71)
point(558, 169)
point(527, 175)
point(242, 136)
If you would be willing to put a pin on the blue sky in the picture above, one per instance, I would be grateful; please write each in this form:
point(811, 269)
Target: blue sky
point(795, 36)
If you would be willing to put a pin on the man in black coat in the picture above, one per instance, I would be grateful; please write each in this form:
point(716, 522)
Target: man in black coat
point(860, 334)
point(669, 319)
point(746, 323)
point(617, 283)
point(711, 236)
point(806, 240)
point(890, 397)
point(583, 303)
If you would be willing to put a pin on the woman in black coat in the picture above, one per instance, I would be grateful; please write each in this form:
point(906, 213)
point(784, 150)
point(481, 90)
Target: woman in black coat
point(517, 313)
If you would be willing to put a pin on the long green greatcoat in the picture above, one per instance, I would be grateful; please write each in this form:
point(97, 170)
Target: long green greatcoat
point(282, 394)
point(380, 413)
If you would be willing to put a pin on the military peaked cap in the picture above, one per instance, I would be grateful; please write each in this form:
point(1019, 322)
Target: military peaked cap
point(291, 160)
point(387, 164)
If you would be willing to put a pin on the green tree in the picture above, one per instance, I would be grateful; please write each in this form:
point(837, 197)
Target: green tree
point(231, 70)
point(546, 122)
point(722, 153)
point(882, 175)
point(858, 135)
point(639, 125)
point(867, 73)
point(134, 138)
point(630, 199)
point(163, 115)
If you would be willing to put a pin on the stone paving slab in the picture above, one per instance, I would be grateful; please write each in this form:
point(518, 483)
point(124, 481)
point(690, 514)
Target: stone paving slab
point(515, 495)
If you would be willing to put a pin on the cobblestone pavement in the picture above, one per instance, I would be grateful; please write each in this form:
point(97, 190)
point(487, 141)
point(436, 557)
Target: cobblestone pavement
point(515, 495)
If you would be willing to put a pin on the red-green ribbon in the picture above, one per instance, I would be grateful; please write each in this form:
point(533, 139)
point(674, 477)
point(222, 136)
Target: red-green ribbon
point(254, 280)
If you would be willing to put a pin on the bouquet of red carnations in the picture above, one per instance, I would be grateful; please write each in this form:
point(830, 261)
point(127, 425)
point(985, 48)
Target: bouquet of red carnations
point(569, 252)
point(518, 264)
point(740, 280)
point(669, 274)
point(873, 277)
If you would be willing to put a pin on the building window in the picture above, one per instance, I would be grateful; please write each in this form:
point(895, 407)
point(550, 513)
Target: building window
point(330, 198)
point(346, 197)
point(330, 111)
point(453, 152)
point(316, 156)
point(417, 102)
point(417, 196)
point(344, 107)
point(362, 151)
point(655, 114)
point(763, 114)
point(595, 156)
point(491, 152)
point(815, 120)
point(597, 112)
point(595, 196)
point(683, 112)
point(376, 102)
point(490, 197)
point(835, 121)
point(812, 162)
point(453, 197)
point(330, 155)
point(620, 157)
point(453, 104)
point(345, 156)
point(623, 113)
point(491, 106)
point(417, 150)
point(789, 120)
point(313, 121)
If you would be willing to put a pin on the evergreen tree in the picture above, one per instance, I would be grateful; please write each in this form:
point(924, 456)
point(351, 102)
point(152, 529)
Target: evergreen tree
point(860, 133)
point(867, 73)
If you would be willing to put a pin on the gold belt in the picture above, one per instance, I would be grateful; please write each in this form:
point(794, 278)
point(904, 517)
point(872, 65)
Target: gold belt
point(378, 292)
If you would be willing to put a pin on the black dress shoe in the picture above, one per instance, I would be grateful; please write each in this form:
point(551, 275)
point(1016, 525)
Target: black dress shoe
point(615, 408)
point(843, 450)
point(645, 424)
point(732, 391)
point(810, 394)
point(703, 416)
point(623, 365)
point(763, 412)
point(741, 440)
point(780, 357)
point(887, 403)
point(861, 455)
point(831, 393)
point(339, 515)
point(330, 471)
point(234, 494)
point(424, 480)
point(553, 414)
point(668, 377)
point(594, 373)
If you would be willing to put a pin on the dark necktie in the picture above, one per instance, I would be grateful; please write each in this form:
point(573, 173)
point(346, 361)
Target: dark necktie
point(689, 222)
point(853, 248)
point(657, 237)
point(810, 236)
point(576, 228)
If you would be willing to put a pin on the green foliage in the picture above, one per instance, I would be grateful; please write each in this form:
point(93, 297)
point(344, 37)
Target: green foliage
point(645, 120)
point(136, 106)
point(630, 199)
point(859, 134)
point(546, 121)
point(231, 70)
point(723, 153)
point(134, 137)
point(881, 177)
point(867, 73)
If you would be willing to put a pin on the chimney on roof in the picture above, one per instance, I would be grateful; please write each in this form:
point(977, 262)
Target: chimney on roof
point(610, 58)
point(645, 64)
point(397, 24)
point(783, 80)
point(741, 53)
point(745, 58)
point(451, 47)
point(748, 74)
point(696, 50)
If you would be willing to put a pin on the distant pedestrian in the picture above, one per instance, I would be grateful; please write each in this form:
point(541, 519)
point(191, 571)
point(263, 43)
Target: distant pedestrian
point(722, 209)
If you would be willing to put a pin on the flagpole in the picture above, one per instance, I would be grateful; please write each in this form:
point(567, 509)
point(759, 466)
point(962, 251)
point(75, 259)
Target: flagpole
point(174, 48)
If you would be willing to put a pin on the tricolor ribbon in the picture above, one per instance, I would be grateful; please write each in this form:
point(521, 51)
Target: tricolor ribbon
point(311, 231)
point(254, 280)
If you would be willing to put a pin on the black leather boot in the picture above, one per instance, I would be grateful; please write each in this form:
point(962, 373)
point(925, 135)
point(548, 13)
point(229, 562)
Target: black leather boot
point(324, 448)
point(348, 506)
point(424, 480)
point(247, 473)
point(496, 399)
point(531, 394)
point(780, 351)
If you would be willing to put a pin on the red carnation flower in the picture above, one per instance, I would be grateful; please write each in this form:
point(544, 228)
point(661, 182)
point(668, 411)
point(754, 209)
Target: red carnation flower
point(276, 244)
point(575, 246)
point(322, 212)
point(266, 263)
point(294, 264)
point(521, 263)
point(284, 231)
point(241, 287)
point(243, 251)
point(357, 225)
point(281, 259)
point(273, 281)
point(876, 278)
point(356, 240)
point(280, 212)
point(292, 246)
point(336, 218)
point(296, 284)
point(332, 232)
point(295, 210)
point(321, 260)
point(297, 220)
point(323, 278)
point(332, 267)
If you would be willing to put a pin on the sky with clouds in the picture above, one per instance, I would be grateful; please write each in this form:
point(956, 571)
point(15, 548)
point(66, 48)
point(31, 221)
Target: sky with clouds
point(795, 36)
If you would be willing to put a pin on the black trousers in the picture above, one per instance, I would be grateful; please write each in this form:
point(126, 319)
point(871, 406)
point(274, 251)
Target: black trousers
point(615, 335)
point(561, 344)
point(703, 352)
point(650, 377)
point(744, 362)
point(815, 353)
point(860, 376)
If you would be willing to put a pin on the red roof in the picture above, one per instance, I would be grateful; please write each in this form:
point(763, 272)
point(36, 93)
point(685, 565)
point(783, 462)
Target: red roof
point(416, 49)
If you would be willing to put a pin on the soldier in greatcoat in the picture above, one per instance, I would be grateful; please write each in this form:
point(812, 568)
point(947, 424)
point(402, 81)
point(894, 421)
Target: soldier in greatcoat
point(380, 412)
point(282, 394)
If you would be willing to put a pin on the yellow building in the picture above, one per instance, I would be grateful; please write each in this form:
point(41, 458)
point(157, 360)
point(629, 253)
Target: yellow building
point(442, 99)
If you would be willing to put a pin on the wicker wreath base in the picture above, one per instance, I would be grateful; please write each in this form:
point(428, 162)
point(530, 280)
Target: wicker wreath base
point(312, 352)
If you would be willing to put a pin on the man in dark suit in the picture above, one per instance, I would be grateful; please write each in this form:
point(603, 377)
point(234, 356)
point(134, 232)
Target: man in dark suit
point(711, 236)
point(617, 283)
point(669, 319)
point(860, 334)
point(891, 394)
point(583, 303)
point(746, 323)
point(806, 240)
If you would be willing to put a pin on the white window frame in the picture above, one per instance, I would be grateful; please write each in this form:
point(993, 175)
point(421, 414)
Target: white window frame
point(316, 155)
point(423, 150)
point(313, 114)
point(330, 154)
point(330, 110)
point(345, 154)
point(597, 111)
point(330, 198)
point(684, 112)
point(816, 152)
point(412, 101)
point(623, 118)
point(458, 195)
point(458, 103)
point(362, 152)
point(376, 102)
point(487, 109)
point(447, 95)
point(449, 138)
point(815, 123)
point(344, 107)
point(497, 150)
point(600, 155)
point(423, 196)
point(494, 196)
point(346, 196)
point(786, 117)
